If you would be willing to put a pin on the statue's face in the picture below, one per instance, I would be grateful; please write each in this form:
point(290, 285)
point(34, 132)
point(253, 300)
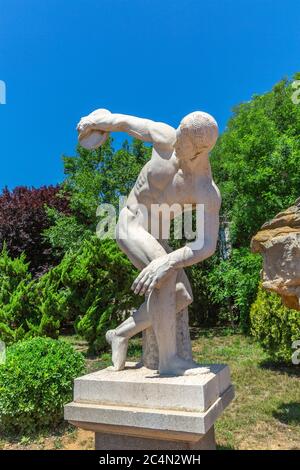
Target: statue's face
point(183, 147)
point(196, 136)
point(187, 148)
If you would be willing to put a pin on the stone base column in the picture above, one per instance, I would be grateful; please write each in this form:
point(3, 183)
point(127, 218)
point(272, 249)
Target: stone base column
point(105, 441)
point(137, 409)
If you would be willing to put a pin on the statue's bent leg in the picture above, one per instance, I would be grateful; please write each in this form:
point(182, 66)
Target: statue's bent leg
point(161, 304)
point(141, 253)
point(139, 321)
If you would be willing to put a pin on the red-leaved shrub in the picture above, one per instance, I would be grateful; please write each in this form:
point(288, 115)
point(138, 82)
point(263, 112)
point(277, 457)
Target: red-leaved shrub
point(22, 220)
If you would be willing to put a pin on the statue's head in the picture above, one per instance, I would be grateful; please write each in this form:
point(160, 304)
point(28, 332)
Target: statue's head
point(197, 134)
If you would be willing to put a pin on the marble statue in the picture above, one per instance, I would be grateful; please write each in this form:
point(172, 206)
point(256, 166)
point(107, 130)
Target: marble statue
point(178, 172)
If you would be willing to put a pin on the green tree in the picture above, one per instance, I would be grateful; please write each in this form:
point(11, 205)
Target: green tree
point(256, 161)
point(233, 285)
point(94, 177)
point(256, 165)
point(89, 289)
point(102, 175)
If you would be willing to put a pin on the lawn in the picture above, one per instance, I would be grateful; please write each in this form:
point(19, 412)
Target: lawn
point(265, 413)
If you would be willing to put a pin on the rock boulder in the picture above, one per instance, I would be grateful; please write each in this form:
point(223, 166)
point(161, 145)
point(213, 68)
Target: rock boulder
point(279, 243)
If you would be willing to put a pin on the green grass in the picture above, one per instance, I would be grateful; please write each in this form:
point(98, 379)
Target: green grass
point(265, 413)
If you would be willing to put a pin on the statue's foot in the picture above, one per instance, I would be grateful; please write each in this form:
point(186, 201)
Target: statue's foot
point(119, 346)
point(179, 366)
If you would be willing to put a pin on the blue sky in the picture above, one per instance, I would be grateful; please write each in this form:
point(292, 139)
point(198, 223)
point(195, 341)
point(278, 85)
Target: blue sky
point(159, 59)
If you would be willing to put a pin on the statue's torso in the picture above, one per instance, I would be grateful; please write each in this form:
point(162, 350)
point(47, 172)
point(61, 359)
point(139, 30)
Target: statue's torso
point(162, 181)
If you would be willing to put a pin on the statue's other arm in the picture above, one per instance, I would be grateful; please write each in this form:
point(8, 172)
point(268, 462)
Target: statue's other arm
point(154, 274)
point(158, 133)
point(193, 253)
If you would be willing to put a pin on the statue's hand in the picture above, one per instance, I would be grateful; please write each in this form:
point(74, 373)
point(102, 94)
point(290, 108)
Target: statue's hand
point(84, 126)
point(91, 122)
point(152, 275)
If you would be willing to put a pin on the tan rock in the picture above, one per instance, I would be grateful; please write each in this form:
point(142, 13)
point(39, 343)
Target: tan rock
point(279, 243)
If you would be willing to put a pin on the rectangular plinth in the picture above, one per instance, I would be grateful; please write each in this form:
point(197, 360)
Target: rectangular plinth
point(136, 408)
point(138, 418)
point(141, 387)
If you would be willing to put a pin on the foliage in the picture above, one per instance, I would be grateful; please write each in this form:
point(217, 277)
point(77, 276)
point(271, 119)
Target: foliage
point(204, 310)
point(91, 287)
point(22, 309)
point(274, 325)
point(94, 177)
point(256, 161)
point(102, 175)
point(95, 286)
point(12, 273)
point(255, 164)
point(23, 218)
point(35, 382)
point(14, 280)
point(65, 233)
point(233, 285)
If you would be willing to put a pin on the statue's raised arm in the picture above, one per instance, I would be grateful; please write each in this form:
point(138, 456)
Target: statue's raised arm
point(103, 121)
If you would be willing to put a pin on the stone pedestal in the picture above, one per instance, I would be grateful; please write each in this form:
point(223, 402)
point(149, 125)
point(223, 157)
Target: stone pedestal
point(137, 409)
